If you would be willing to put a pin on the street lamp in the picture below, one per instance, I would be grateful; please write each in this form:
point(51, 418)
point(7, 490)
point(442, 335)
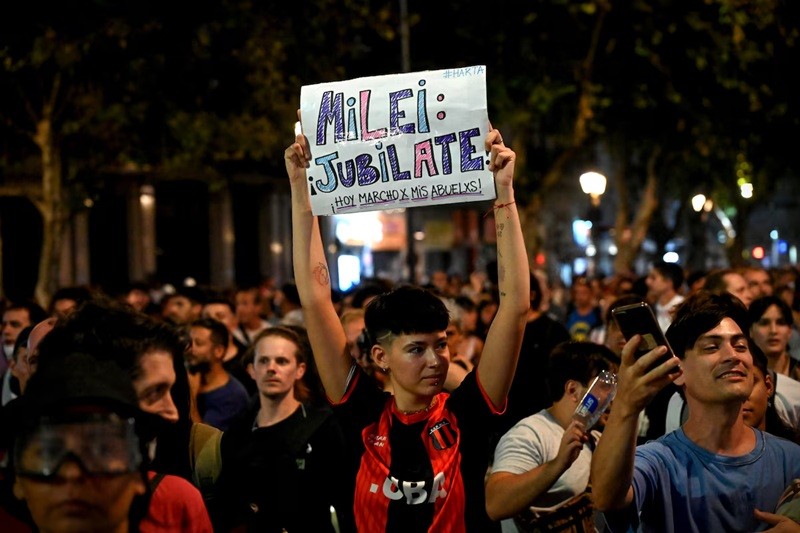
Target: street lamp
point(698, 201)
point(701, 203)
point(593, 184)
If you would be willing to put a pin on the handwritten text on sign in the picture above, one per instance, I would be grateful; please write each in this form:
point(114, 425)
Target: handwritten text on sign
point(403, 140)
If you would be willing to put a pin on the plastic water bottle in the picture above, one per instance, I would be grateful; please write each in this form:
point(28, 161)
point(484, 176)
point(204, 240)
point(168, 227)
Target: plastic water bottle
point(596, 400)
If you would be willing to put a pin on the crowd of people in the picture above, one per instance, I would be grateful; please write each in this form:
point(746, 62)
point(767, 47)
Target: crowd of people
point(446, 407)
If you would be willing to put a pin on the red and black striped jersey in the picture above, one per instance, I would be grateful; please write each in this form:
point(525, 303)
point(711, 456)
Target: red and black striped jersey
point(419, 472)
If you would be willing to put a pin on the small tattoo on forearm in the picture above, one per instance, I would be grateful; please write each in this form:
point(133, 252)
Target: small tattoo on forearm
point(321, 274)
point(502, 293)
point(500, 229)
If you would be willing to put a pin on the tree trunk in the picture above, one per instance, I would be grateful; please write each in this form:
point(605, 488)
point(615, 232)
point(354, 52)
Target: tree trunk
point(2, 281)
point(698, 242)
point(734, 248)
point(630, 238)
point(533, 228)
point(50, 207)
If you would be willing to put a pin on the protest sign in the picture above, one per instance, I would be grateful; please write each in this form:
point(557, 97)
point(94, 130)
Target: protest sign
point(404, 140)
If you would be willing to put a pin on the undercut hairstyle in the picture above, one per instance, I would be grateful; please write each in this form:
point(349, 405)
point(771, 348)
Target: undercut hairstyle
point(672, 272)
point(760, 306)
point(701, 312)
point(405, 310)
point(219, 331)
point(577, 361)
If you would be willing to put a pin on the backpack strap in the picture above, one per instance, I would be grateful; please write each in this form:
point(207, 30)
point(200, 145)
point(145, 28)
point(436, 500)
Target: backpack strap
point(155, 481)
point(314, 418)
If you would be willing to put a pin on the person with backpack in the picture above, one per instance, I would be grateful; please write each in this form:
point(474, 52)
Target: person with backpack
point(280, 457)
point(79, 458)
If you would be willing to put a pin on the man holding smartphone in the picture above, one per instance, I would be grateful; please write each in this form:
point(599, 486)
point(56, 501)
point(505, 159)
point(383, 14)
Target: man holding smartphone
point(714, 473)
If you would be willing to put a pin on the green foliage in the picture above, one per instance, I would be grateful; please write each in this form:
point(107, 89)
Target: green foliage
point(193, 87)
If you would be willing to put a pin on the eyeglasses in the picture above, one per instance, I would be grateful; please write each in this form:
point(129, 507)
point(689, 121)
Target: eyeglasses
point(101, 445)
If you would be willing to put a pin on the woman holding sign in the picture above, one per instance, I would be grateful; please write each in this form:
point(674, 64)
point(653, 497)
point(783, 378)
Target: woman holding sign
point(420, 456)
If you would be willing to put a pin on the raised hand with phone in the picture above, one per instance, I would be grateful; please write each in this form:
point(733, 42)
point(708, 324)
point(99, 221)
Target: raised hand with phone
point(686, 479)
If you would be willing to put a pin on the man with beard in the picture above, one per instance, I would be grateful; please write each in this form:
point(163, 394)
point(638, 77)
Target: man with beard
point(220, 396)
point(183, 306)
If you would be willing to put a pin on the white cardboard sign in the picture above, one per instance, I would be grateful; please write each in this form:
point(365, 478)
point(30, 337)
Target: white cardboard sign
point(397, 141)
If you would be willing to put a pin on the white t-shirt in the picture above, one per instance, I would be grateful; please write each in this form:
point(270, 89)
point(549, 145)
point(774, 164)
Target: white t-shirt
point(787, 399)
point(246, 336)
point(532, 442)
point(664, 312)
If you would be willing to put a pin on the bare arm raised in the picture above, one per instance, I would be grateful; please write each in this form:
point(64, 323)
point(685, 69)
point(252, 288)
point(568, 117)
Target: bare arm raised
point(504, 339)
point(312, 276)
point(612, 461)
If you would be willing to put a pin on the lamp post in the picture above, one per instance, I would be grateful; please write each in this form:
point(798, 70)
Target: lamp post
point(593, 184)
point(697, 256)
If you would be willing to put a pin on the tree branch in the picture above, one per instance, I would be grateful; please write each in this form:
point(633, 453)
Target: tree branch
point(26, 103)
point(586, 100)
point(16, 127)
point(580, 129)
point(50, 103)
point(648, 203)
point(629, 240)
point(32, 192)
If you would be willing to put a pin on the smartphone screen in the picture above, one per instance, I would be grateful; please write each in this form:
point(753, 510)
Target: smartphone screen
point(638, 319)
